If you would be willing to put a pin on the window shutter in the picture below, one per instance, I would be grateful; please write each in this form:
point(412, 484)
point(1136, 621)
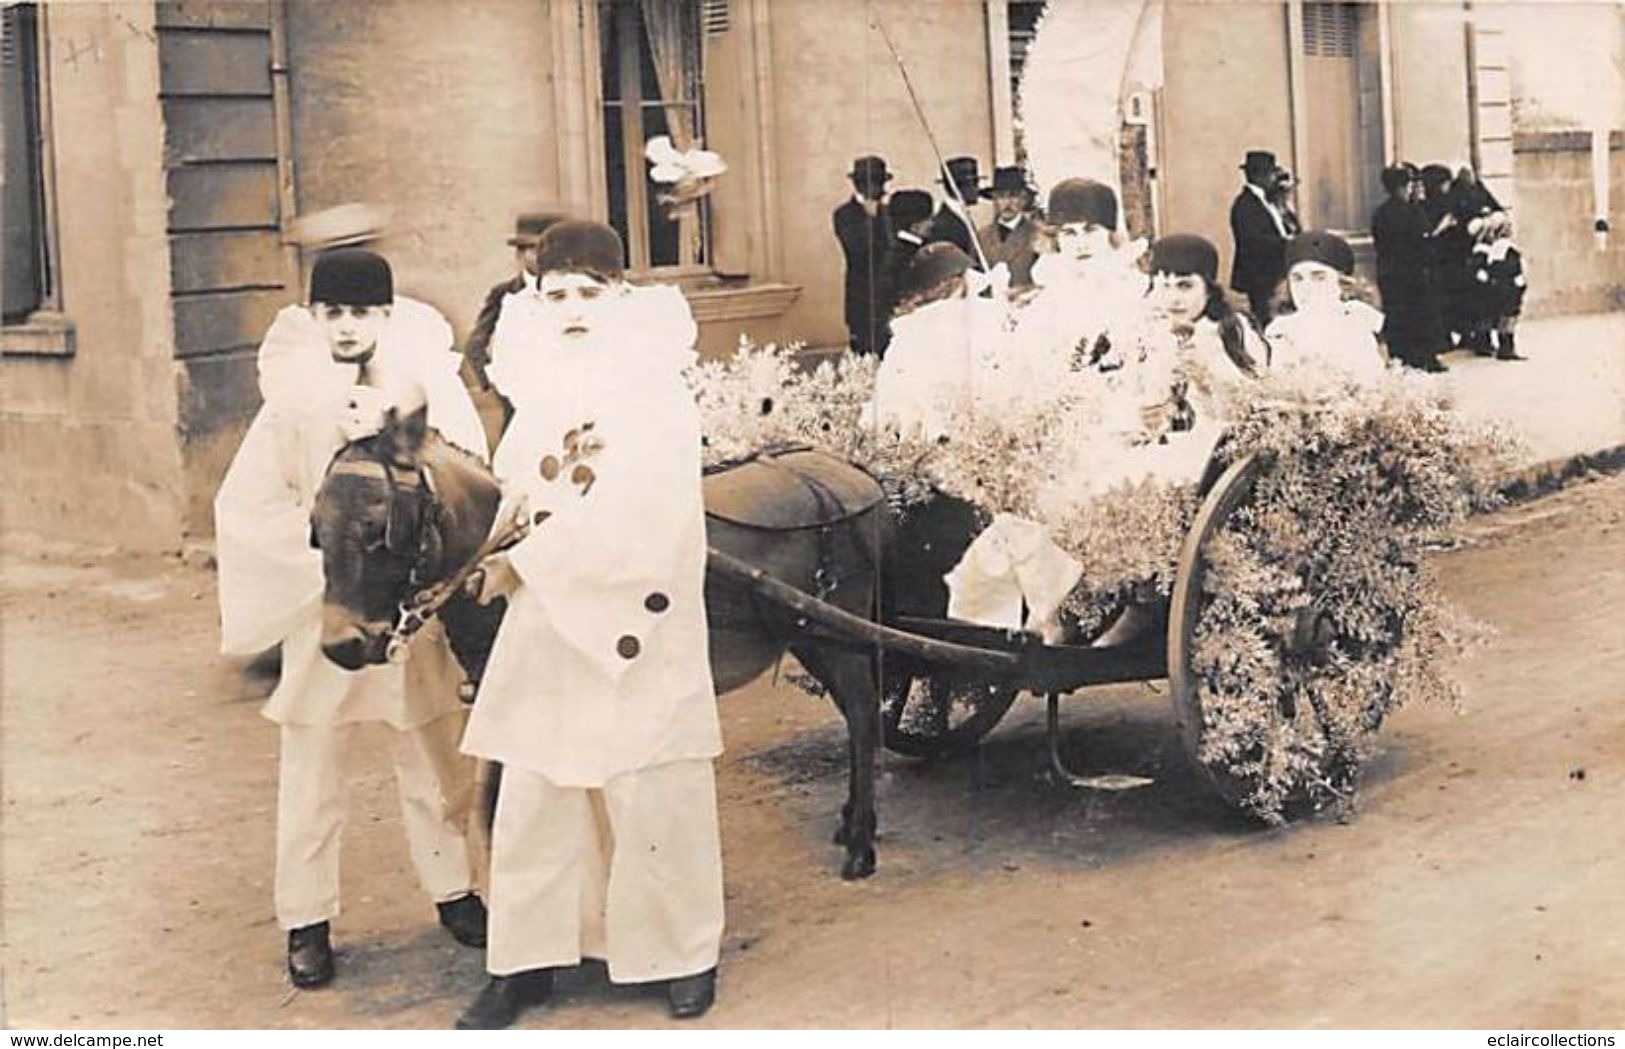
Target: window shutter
point(729, 87)
point(714, 16)
point(24, 195)
point(1329, 29)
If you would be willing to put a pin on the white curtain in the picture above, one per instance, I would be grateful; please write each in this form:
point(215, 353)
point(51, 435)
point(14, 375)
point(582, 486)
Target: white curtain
point(666, 21)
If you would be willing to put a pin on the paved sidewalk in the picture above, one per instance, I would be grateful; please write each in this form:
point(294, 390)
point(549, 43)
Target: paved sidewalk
point(1566, 400)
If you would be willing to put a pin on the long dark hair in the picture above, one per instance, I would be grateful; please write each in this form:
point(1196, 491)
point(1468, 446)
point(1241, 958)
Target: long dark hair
point(1232, 328)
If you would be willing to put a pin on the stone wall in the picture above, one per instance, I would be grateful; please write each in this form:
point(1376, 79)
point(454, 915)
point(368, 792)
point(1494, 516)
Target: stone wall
point(1567, 271)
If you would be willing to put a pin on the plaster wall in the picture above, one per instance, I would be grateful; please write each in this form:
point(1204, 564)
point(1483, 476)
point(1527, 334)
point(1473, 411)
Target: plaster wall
point(89, 448)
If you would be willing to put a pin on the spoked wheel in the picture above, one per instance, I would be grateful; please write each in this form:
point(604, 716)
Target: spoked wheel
point(926, 717)
point(1190, 598)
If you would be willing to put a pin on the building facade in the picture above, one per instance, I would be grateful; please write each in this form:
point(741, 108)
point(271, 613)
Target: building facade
point(158, 154)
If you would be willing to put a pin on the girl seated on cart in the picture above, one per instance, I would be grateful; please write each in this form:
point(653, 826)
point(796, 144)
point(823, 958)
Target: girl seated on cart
point(1327, 333)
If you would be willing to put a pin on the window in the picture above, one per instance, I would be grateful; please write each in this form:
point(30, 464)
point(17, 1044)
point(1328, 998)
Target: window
point(1341, 114)
point(28, 281)
point(650, 61)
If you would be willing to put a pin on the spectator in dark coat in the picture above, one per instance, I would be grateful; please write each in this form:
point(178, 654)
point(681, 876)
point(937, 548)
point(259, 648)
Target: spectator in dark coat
point(862, 228)
point(1453, 202)
point(1399, 229)
point(1260, 234)
point(962, 188)
point(494, 409)
point(1280, 197)
point(910, 213)
point(1012, 236)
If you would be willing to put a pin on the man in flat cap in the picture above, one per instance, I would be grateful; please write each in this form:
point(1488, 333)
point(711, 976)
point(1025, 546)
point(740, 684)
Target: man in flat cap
point(1260, 234)
point(526, 241)
point(271, 589)
point(862, 228)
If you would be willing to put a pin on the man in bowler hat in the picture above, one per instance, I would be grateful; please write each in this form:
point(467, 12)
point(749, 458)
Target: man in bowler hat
point(862, 228)
point(1011, 238)
point(1260, 234)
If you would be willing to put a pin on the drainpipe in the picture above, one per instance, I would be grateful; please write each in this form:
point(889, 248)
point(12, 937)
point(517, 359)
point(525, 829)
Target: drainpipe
point(287, 198)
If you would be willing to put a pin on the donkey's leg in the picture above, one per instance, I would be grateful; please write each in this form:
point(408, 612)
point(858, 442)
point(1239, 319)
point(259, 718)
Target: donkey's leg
point(850, 678)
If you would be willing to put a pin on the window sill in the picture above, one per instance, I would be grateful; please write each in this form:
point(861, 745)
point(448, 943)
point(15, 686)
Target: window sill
point(740, 302)
point(42, 335)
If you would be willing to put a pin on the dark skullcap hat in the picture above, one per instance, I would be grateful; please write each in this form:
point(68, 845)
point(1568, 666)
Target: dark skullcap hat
point(1082, 200)
point(1320, 246)
point(1185, 253)
point(933, 266)
point(352, 277)
point(574, 246)
point(908, 206)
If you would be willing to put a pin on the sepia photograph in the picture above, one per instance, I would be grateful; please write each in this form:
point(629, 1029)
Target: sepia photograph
point(1044, 515)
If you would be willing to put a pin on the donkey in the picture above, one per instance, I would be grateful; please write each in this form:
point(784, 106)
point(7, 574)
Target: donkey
point(403, 510)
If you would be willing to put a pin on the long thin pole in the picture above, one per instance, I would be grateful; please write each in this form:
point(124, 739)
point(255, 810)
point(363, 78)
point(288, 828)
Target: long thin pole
point(919, 111)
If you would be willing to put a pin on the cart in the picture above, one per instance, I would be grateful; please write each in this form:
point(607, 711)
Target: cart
point(945, 683)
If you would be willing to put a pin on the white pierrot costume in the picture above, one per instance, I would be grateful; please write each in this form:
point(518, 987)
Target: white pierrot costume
point(946, 357)
point(601, 665)
point(598, 696)
point(270, 578)
point(1328, 345)
point(270, 587)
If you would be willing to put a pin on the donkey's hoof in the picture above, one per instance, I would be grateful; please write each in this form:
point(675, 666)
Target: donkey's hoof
point(858, 865)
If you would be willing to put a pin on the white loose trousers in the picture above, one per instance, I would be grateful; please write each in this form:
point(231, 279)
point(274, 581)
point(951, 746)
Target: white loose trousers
point(436, 789)
point(630, 873)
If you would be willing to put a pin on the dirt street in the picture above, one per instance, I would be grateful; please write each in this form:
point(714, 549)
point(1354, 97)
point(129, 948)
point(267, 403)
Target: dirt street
point(1478, 886)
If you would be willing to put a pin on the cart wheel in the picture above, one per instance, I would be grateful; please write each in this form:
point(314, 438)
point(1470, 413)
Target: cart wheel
point(1185, 612)
point(924, 717)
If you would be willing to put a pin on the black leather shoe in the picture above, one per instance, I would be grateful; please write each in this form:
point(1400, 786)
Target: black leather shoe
point(464, 918)
point(504, 998)
point(310, 956)
point(691, 996)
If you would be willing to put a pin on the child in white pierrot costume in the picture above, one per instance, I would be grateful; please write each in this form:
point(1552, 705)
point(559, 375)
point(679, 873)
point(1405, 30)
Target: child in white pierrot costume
point(338, 372)
point(1329, 336)
point(598, 697)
